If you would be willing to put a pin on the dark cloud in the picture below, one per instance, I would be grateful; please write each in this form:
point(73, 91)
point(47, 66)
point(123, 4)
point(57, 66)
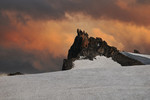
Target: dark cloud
point(143, 1)
point(37, 9)
point(56, 9)
point(15, 59)
point(4, 22)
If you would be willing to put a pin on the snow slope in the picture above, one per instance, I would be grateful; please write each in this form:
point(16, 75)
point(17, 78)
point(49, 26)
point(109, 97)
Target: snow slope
point(100, 79)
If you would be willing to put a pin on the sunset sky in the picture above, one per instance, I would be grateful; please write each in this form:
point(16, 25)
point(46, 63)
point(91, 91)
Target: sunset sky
point(35, 35)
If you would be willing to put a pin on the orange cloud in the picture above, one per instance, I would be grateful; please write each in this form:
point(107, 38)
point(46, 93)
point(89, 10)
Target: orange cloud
point(130, 35)
point(138, 12)
point(110, 39)
point(55, 37)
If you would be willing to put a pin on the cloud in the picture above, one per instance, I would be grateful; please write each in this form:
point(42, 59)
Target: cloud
point(143, 1)
point(109, 38)
point(35, 47)
point(129, 35)
point(122, 10)
point(137, 13)
point(18, 60)
point(37, 9)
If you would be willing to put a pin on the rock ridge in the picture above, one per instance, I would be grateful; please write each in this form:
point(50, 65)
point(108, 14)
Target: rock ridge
point(90, 47)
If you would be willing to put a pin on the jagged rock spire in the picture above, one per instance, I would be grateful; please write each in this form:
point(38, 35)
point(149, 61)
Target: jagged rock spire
point(91, 47)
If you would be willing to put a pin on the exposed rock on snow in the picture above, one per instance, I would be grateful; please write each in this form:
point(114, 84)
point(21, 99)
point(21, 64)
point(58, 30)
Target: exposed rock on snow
point(91, 47)
point(16, 73)
point(136, 51)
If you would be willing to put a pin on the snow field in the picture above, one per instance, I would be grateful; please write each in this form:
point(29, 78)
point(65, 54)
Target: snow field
point(100, 79)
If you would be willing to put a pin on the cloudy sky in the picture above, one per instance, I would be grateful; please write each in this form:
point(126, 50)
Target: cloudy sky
point(35, 35)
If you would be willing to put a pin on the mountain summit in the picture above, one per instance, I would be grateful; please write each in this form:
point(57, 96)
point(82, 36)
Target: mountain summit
point(90, 47)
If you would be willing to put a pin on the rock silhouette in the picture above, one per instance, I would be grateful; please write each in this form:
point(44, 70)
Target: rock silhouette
point(136, 51)
point(16, 73)
point(90, 47)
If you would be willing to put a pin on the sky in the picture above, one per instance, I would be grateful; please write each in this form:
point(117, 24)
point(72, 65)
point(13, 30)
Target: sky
point(35, 35)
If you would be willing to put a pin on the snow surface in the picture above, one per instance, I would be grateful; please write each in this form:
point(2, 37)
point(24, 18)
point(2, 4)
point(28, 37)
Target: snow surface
point(98, 62)
point(100, 79)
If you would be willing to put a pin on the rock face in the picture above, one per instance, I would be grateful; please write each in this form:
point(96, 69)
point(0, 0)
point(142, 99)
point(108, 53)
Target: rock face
point(91, 47)
point(81, 41)
point(136, 51)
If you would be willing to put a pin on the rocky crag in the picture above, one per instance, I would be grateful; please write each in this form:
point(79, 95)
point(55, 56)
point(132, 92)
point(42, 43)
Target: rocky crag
point(90, 47)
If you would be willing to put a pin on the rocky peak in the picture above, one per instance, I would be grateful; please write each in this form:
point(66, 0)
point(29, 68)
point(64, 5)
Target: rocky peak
point(90, 47)
point(81, 41)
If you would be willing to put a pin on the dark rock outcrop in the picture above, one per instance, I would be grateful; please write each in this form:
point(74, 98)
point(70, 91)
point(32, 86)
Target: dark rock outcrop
point(80, 42)
point(67, 64)
point(92, 47)
point(136, 51)
point(16, 73)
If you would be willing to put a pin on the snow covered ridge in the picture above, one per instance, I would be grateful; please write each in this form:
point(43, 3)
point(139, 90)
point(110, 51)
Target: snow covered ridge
point(145, 59)
point(100, 79)
point(91, 47)
point(102, 61)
